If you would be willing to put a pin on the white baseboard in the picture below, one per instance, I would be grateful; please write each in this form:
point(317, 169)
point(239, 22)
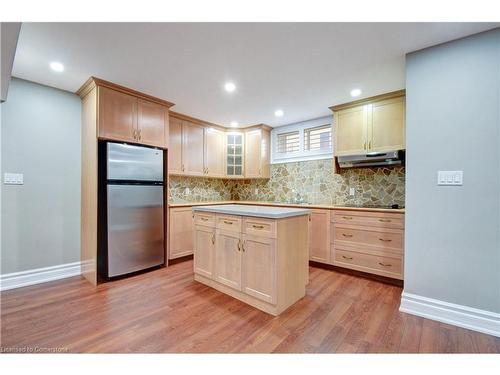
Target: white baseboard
point(458, 315)
point(39, 275)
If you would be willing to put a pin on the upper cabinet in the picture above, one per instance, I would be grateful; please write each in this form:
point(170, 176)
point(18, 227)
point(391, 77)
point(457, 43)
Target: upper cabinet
point(198, 148)
point(127, 115)
point(214, 153)
point(257, 143)
point(371, 125)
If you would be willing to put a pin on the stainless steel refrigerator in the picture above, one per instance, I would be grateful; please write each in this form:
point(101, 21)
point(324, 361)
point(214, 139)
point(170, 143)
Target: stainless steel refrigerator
point(133, 229)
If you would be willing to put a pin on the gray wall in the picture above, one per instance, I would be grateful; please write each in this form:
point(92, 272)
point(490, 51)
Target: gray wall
point(41, 139)
point(452, 249)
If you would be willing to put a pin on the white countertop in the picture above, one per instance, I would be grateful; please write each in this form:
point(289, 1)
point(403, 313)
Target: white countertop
point(256, 211)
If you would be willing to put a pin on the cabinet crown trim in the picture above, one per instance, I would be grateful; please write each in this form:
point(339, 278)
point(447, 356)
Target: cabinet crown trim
point(94, 81)
point(389, 95)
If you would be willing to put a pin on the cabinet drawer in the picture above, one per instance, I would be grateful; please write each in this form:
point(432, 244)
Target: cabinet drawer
point(381, 238)
point(204, 218)
point(380, 265)
point(376, 219)
point(260, 227)
point(228, 222)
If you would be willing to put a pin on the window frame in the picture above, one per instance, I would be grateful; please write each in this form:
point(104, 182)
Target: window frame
point(302, 154)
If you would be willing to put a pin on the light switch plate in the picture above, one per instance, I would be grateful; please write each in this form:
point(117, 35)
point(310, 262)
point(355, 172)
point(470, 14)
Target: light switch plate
point(450, 178)
point(352, 191)
point(13, 179)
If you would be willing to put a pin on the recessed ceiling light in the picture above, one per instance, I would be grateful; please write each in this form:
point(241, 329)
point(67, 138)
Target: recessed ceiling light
point(355, 92)
point(229, 86)
point(279, 113)
point(234, 124)
point(56, 66)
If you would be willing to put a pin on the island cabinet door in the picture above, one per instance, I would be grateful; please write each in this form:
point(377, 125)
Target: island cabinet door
point(228, 258)
point(259, 267)
point(204, 250)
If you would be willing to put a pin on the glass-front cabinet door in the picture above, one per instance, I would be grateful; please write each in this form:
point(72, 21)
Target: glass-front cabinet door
point(234, 161)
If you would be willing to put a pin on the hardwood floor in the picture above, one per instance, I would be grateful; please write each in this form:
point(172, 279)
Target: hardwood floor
point(166, 311)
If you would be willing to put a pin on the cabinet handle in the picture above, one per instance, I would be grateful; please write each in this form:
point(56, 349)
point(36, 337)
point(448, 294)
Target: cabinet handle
point(385, 264)
point(182, 168)
point(347, 235)
point(385, 220)
point(384, 240)
point(204, 218)
point(239, 245)
point(348, 258)
point(258, 226)
point(228, 222)
point(213, 238)
point(347, 217)
point(243, 245)
point(370, 145)
point(135, 134)
point(139, 135)
point(364, 146)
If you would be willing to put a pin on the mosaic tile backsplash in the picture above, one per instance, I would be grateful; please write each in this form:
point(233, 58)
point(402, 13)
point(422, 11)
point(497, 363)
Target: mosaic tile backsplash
point(313, 181)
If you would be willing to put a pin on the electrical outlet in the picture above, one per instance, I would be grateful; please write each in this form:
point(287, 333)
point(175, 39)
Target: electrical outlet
point(186, 191)
point(256, 191)
point(352, 191)
point(13, 179)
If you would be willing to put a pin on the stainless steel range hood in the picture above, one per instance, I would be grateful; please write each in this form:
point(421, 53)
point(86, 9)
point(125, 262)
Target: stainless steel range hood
point(372, 159)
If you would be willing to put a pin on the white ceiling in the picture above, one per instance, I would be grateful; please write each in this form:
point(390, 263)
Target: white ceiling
point(302, 68)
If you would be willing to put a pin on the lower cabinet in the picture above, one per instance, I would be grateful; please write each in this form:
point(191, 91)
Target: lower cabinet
point(319, 236)
point(181, 232)
point(259, 267)
point(228, 258)
point(204, 241)
point(249, 266)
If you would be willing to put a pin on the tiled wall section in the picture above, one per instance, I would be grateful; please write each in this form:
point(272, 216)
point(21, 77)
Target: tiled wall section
point(200, 189)
point(313, 181)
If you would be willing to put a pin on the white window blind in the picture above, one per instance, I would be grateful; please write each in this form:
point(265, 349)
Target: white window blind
point(288, 142)
point(318, 138)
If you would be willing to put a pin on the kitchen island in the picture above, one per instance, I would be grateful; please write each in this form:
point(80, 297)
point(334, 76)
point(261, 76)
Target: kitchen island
point(257, 254)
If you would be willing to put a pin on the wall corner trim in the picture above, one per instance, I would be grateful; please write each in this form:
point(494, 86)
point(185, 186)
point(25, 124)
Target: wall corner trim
point(39, 275)
point(461, 316)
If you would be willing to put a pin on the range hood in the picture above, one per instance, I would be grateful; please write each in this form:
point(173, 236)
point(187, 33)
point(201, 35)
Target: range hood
point(372, 159)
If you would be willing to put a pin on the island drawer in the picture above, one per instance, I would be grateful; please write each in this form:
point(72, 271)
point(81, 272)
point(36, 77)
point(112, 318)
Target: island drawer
point(381, 265)
point(259, 227)
point(204, 218)
point(228, 222)
point(376, 219)
point(380, 238)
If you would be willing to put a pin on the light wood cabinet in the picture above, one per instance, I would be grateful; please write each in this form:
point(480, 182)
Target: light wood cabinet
point(181, 232)
point(152, 123)
point(387, 131)
point(351, 131)
point(214, 159)
point(319, 236)
point(201, 149)
point(228, 258)
point(193, 136)
point(117, 114)
point(370, 242)
point(257, 143)
point(371, 125)
point(262, 262)
point(175, 146)
point(259, 267)
point(204, 245)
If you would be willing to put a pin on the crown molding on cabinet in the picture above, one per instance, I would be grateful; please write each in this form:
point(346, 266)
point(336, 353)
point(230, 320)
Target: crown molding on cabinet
point(94, 81)
point(389, 95)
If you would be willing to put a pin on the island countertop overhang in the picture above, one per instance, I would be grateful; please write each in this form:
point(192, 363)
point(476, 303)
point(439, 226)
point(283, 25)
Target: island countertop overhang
point(254, 211)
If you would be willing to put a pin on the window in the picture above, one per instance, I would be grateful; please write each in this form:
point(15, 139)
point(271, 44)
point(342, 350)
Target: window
point(307, 140)
point(288, 142)
point(318, 138)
